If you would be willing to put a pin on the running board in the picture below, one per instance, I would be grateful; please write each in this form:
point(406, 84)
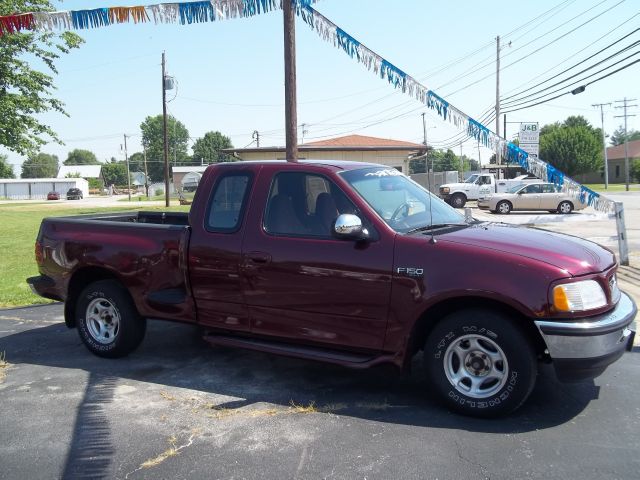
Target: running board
point(346, 359)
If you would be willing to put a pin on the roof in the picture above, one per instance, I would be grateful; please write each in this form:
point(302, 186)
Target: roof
point(337, 164)
point(614, 153)
point(40, 180)
point(350, 143)
point(85, 171)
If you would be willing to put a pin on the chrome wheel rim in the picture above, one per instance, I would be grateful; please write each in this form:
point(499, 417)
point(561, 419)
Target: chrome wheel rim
point(504, 208)
point(565, 208)
point(476, 366)
point(103, 321)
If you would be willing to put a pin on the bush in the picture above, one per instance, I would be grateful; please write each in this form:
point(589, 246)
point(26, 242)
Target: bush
point(159, 191)
point(634, 170)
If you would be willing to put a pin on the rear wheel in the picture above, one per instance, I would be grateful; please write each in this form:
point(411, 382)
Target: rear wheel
point(504, 207)
point(458, 200)
point(565, 207)
point(107, 320)
point(479, 363)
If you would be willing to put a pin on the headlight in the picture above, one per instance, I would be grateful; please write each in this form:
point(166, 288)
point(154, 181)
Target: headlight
point(578, 296)
point(444, 189)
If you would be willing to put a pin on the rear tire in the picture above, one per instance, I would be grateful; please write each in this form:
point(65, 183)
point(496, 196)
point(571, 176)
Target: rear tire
point(108, 323)
point(565, 207)
point(479, 363)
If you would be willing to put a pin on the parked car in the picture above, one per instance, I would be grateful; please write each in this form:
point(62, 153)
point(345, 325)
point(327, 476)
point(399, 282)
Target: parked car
point(347, 263)
point(74, 194)
point(477, 185)
point(534, 196)
point(53, 196)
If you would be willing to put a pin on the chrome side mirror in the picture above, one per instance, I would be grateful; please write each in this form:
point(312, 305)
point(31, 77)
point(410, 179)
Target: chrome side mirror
point(349, 226)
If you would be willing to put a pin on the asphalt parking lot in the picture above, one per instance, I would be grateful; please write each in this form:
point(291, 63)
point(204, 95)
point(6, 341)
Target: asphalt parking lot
point(178, 408)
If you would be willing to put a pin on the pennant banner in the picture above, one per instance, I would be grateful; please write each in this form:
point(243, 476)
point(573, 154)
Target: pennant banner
point(213, 10)
point(331, 33)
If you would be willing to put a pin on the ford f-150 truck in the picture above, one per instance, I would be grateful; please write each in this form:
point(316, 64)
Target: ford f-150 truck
point(348, 263)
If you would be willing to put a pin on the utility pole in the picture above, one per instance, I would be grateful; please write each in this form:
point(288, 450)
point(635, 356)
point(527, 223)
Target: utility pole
point(461, 164)
point(165, 153)
point(290, 100)
point(624, 106)
point(256, 136)
point(126, 159)
point(146, 175)
point(498, 153)
point(604, 142)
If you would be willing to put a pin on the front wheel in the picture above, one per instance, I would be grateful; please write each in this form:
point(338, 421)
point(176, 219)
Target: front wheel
point(479, 363)
point(504, 207)
point(107, 320)
point(458, 200)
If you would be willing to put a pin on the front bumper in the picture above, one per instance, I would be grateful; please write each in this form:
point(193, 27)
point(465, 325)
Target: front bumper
point(584, 349)
point(483, 203)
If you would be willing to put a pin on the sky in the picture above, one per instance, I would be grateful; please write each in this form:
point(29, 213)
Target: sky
point(230, 74)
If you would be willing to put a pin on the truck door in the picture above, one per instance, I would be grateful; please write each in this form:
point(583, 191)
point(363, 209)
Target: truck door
point(215, 251)
point(303, 283)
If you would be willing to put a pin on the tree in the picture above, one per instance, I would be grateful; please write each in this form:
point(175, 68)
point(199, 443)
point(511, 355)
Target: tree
point(136, 162)
point(573, 150)
point(634, 170)
point(41, 165)
point(26, 92)
point(618, 137)
point(114, 173)
point(81, 157)
point(6, 170)
point(207, 149)
point(178, 138)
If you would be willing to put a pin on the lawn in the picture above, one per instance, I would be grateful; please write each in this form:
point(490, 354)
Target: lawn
point(613, 187)
point(20, 228)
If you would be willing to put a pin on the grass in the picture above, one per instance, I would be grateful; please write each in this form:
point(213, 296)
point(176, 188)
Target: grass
point(156, 198)
point(4, 365)
point(613, 187)
point(20, 226)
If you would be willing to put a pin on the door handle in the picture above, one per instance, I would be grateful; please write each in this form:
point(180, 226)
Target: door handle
point(258, 257)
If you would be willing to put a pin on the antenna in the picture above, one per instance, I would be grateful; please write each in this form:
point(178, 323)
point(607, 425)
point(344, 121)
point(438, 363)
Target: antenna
point(429, 179)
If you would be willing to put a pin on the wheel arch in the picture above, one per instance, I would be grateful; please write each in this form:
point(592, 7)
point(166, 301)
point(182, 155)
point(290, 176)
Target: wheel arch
point(79, 280)
point(435, 313)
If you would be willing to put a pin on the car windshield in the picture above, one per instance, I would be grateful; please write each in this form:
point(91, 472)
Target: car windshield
point(514, 189)
point(472, 179)
point(403, 204)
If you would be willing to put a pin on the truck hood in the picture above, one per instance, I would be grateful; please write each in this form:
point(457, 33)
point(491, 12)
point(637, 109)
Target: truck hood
point(455, 185)
point(572, 254)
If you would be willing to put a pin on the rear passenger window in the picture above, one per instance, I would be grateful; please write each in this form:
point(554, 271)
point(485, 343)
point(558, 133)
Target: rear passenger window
point(228, 203)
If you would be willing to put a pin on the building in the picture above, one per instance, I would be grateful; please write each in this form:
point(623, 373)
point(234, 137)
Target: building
point(615, 159)
point(187, 178)
point(81, 171)
point(355, 148)
point(37, 188)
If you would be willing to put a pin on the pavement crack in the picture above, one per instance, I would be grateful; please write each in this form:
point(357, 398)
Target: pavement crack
point(483, 469)
point(172, 451)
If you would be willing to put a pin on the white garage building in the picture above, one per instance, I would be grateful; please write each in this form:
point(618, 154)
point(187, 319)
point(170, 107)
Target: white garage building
point(38, 188)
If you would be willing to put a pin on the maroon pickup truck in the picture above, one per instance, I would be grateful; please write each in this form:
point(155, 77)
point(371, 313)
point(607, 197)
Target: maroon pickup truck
point(348, 263)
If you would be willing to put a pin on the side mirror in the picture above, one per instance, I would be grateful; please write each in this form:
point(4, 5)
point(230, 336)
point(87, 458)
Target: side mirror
point(349, 227)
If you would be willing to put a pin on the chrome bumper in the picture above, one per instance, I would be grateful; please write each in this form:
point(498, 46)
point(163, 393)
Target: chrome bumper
point(583, 349)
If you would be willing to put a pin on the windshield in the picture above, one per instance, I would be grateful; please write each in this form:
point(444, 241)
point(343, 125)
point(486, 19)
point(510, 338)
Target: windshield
point(402, 203)
point(472, 178)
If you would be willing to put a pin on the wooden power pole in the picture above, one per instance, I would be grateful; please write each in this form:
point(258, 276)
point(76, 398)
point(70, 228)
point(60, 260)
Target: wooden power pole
point(164, 136)
point(290, 101)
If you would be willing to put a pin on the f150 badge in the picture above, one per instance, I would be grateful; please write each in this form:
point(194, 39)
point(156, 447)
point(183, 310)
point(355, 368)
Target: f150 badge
point(410, 271)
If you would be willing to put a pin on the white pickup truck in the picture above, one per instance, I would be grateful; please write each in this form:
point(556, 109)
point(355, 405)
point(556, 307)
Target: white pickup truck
point(457, 194)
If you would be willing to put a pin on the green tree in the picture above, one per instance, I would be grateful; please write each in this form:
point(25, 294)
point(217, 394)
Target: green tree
point(207, 149)
point(41, 165)
point(26, 92)
point(6, 171)
point(571, 149)
point(618, 137)
point(81, 157)
point(114, 173)
point(178, 138)
point(136, 162)
point(634, 170)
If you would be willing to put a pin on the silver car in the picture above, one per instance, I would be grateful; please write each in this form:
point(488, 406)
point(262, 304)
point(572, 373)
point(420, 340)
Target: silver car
point(533, 196)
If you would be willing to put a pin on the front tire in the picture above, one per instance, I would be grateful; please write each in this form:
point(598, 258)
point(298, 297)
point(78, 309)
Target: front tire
point(107, 320)
point(504, 207)
point(479, 363)
point(458, 200)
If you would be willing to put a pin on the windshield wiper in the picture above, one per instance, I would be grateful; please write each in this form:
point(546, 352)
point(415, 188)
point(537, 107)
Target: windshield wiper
point(435, 226)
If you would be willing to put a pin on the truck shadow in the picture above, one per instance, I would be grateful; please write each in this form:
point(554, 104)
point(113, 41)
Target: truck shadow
point(175, 356)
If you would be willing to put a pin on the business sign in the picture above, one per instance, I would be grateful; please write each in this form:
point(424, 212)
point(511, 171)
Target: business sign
point(529, 133)
point(530, 148)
